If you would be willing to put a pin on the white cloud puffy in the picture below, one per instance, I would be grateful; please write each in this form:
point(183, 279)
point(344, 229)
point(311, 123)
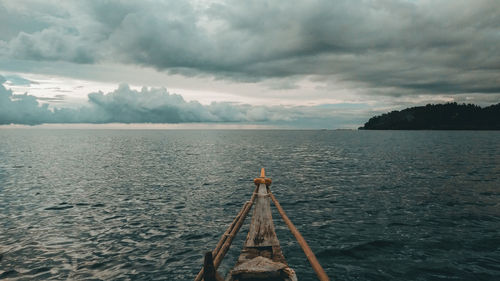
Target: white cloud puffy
point(20, 109)
point(155, 105)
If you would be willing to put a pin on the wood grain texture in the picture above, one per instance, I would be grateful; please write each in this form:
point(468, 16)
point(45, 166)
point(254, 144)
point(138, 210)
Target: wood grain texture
point(261, 257)
point(261, 232)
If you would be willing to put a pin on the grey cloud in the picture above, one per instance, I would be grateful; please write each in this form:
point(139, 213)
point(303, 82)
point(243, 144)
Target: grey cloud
point(18, 80)
point(54, 99)
point(155, 105)
point(20, 109)
point(479, 99)
point(13, 21)
point(416, 47)
point(51, 44)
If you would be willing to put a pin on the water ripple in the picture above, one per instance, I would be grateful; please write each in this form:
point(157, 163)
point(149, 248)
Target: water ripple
point(146, 205)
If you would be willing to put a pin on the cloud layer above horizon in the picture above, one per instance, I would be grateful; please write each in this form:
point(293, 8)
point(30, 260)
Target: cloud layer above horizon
point(318, 63)
point(389, 47)
point(155, 105)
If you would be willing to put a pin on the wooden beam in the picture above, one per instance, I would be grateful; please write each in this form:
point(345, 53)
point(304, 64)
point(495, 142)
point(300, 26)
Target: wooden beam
point(320, 272)
point(228, 236)
point(261, 257)
point(227, 244)
point(261, 232)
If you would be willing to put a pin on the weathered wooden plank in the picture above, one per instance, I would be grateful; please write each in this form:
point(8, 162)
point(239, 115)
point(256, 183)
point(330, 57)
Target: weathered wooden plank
point(261, 257)
point(259, 268)
point(261, 232)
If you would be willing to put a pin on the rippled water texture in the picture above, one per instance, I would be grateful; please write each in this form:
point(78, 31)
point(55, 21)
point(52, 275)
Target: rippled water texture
point(146, 205)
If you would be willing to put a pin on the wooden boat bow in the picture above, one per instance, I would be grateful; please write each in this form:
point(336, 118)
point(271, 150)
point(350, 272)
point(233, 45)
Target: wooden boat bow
point(261, 257)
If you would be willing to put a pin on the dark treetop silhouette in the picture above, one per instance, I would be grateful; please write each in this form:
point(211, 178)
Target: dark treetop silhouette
point(449, 116)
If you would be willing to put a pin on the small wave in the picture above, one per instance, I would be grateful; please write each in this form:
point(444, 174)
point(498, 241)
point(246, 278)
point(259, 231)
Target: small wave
point(82, 204)
point(9, 274)
point(399, 224)
point(180, 206)
point(192, 236)
point(59, 207)
point(37, 271)
point(113, 217)
point(91, 265)
point(359, 251)
point(298, 202)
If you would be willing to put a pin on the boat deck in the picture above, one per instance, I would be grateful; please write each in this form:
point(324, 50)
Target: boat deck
point(261, 257)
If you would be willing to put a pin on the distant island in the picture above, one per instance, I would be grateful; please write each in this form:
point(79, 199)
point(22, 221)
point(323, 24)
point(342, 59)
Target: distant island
point(449, 116)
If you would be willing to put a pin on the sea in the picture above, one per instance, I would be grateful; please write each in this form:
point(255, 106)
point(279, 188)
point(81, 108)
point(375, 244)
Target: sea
point(78, 204)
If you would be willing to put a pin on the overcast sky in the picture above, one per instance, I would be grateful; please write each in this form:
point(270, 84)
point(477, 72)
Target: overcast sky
point(306, 64)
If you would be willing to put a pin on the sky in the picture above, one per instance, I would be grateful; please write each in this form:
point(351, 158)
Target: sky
point(256, 64)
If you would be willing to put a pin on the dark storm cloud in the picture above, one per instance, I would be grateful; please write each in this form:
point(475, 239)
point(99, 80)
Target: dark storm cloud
point(155, 105)
point(412, 47)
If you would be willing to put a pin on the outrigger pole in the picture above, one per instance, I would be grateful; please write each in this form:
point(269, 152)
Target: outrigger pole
point(320, 272)
point(261, 256)
point(225, 241)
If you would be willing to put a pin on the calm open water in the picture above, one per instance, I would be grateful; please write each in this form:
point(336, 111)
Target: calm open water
point(146, 205)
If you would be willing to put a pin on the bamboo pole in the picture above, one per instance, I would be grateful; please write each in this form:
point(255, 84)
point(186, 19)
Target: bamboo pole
point(229, 240)
point(320, 272)
point(229, 233)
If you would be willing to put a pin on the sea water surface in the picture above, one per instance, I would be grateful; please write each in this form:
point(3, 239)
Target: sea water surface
point(146, 204)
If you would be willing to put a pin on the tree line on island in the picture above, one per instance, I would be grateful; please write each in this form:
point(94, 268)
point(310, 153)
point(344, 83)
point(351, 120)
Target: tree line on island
point(449, 116)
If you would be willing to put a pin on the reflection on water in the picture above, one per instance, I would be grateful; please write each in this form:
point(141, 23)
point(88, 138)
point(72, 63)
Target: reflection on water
point(145, 205)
